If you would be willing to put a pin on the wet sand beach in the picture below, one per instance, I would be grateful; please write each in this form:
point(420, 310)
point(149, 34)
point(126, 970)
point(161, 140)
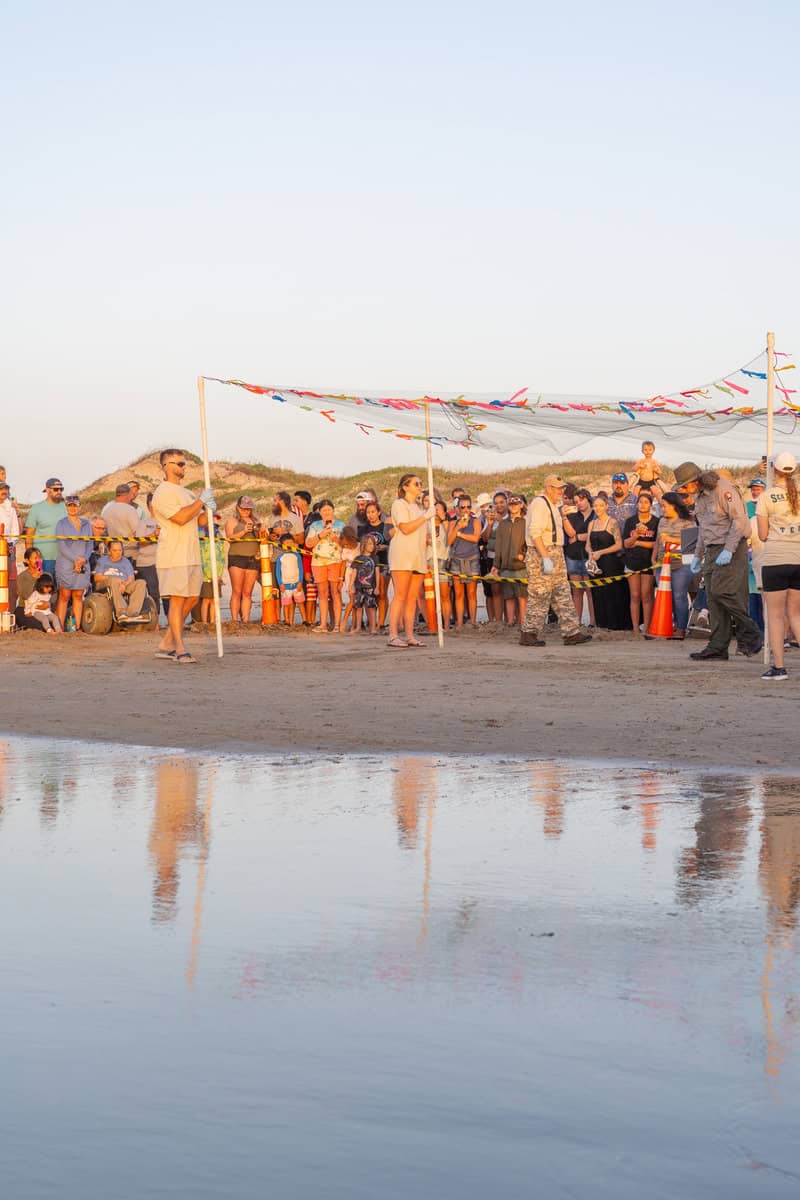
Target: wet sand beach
point(615, 699)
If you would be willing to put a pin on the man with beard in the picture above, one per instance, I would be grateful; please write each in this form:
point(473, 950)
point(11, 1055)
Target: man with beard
point(283, 520)
point(721, 554)
point(623, 503)
point(547, 571)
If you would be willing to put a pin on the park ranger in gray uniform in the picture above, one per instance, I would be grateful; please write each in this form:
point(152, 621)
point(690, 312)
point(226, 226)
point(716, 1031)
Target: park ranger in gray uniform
point(721, 554)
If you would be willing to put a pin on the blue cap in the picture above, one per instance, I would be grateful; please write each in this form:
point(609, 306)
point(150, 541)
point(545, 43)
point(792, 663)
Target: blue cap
point(757, 483)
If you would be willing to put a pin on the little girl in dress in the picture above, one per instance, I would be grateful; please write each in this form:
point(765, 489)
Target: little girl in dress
point(38, 604)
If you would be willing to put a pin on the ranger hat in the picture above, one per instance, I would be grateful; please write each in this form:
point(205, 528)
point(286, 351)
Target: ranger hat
point(554, 481)
point(686, 473)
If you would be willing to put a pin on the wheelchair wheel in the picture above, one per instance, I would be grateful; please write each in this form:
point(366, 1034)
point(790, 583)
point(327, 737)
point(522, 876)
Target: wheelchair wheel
point(98, 616)
point(148, 608)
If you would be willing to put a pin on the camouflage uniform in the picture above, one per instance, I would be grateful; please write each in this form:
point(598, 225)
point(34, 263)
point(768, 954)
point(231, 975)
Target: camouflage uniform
point(548, 591)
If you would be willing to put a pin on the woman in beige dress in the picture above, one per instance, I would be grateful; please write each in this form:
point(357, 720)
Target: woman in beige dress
point(407, 560)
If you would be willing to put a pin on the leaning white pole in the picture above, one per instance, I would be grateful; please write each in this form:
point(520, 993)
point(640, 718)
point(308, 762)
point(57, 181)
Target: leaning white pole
point(770, 402)
point(770, 450)
point(201, 391)
point(434, 548)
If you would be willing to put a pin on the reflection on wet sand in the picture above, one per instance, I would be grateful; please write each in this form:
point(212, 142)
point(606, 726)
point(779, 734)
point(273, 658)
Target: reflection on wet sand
point(547, 791)
point(423, 959)
point(177, 826)
point(721, 833)
point(6, 776)
point(406, 799)
point(649, 793)
point(779, 875)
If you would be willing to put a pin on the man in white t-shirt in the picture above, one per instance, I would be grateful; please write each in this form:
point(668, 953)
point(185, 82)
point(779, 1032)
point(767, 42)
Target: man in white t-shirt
point(180, 574)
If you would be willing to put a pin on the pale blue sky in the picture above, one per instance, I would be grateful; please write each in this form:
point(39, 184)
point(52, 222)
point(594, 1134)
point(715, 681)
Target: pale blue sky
point(580, 198)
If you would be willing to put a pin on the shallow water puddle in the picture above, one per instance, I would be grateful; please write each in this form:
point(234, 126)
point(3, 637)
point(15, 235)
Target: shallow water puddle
point(236, 977)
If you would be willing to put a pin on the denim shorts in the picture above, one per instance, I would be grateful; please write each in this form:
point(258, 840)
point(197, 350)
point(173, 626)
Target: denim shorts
point(577, 566)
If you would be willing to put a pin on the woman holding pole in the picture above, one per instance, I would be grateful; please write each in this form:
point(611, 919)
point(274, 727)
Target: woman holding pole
point(407, 560)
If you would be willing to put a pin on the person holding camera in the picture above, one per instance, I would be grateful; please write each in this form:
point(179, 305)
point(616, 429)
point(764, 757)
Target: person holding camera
point(463, 538)
point(75, 540)
point(324, 540)
point(244, 563)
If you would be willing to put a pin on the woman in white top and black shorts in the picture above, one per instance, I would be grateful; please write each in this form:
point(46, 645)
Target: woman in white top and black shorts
point(778, 519)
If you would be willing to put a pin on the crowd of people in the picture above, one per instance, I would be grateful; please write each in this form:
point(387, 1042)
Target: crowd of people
point(585, 561)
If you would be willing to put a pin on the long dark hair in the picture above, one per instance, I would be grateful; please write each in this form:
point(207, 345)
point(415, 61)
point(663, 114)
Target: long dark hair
point(679, 504)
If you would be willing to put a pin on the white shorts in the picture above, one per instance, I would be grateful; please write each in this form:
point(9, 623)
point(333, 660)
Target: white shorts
point(180, 581)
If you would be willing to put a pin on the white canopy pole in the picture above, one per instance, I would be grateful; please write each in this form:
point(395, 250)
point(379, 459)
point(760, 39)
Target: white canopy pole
point(432, 502)
point(770, 451)
point(201, 391)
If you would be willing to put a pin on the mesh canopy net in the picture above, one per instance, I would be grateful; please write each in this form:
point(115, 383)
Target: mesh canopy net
point(722, 420)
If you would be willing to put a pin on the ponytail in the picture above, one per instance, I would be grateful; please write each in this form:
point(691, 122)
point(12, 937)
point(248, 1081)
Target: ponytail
point(789, 484)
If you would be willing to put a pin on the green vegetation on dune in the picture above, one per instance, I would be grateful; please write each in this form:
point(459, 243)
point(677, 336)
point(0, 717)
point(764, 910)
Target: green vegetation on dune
point(233, 479)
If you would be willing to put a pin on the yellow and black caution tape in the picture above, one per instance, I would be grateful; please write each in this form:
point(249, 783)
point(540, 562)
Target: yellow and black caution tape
point(599, 581)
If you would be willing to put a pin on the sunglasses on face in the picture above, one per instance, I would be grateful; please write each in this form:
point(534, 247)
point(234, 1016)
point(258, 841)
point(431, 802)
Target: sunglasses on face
point(182, 463)
point(56, 489)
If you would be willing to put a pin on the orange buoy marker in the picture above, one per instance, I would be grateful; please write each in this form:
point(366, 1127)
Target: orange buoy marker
point(269, 598)
point(661, 620)
point(430, 602)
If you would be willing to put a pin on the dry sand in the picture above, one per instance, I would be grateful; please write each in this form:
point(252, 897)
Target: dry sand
point(615, 698)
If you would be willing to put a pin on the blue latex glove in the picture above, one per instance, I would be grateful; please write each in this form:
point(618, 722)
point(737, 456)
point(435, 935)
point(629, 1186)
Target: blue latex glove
point(547, 566)
point(723, 558)
point(207, 496)
point(696, 565)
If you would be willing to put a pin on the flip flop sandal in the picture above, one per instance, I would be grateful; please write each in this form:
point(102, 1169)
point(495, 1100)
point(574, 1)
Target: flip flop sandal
point(414, 642)
point(397, 644)
point(165, 654)
point(185, 658)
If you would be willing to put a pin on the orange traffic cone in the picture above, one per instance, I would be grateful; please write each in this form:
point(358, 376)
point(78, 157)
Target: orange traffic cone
point(430, 602)
point(269, 594)
point(661, 620)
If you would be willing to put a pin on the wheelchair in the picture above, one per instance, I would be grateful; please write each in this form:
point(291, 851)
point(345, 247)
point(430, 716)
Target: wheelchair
point(100, 614)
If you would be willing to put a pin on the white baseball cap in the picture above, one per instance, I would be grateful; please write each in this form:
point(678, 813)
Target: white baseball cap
point(785, 462)
point(484, 498)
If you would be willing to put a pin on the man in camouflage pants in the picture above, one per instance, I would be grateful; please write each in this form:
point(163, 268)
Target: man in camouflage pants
point(548, 586)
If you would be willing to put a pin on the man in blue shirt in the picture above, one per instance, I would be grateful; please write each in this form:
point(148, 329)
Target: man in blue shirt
point(113, 570)
point(40, 524)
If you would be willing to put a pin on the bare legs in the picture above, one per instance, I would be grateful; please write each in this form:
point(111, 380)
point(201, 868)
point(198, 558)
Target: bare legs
point(407, 587)
point(578, 594)
point(641, 589)
point(64, 597)
point(465, 591)
point(179, 609)
point(780, 606)
point(242, 584)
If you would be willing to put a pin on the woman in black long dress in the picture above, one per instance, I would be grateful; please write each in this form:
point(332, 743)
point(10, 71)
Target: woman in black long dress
point(611, 600)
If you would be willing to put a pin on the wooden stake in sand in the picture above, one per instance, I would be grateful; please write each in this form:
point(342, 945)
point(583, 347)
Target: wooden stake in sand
point(432, 502)
point(770, 440)
point(201, 391)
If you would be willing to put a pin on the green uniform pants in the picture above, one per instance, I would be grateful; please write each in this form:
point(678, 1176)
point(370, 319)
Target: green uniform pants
point(727, 599)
